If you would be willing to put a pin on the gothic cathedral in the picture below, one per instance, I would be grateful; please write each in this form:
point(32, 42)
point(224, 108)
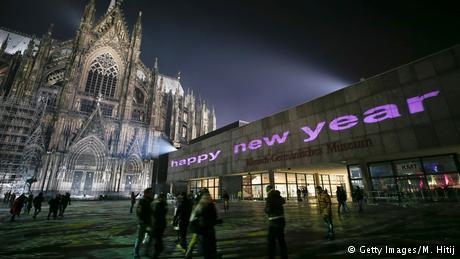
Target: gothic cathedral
point(86, 116)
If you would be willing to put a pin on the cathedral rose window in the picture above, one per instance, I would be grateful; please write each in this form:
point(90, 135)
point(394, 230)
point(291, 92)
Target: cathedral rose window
point(102, 76)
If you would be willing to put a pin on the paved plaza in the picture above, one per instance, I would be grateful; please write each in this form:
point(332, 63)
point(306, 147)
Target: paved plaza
point(105, 229)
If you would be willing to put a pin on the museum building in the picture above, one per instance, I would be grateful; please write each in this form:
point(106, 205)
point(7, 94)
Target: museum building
point(397, 135)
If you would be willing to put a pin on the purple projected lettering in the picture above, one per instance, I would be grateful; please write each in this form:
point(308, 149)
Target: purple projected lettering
point(257, 143)
point(196, 159)
point(380, 113)
point(343, 122)
point(416, 103)
point(313, 134)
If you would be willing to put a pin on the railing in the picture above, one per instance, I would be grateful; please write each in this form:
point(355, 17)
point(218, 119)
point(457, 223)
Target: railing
point(440, 194)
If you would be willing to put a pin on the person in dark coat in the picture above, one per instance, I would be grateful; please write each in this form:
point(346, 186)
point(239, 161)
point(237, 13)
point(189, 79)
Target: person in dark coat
point(182, 217)
point(275, 212)
point(30, 200)
point(54, 206)
point(38, 204)
point(64, 202)
point(325, 209)
point(359, 196)
point(226, 198)
point(17, 206)
point(160, 209)
point(202, 222)
point(12, 199)
point(133, 201)
point(7, 196)
point(144, 215)
point(341, 195)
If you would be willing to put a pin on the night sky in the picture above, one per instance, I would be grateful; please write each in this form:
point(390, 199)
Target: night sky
point(253, 58)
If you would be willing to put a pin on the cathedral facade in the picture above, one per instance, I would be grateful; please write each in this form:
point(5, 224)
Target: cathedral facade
point(100, 116)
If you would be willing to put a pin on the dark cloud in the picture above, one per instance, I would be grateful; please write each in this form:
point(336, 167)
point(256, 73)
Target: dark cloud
point(254, 58)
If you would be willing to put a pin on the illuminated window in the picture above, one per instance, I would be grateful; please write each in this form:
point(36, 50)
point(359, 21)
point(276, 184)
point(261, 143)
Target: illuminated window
point(138, 96)
point(184, 132)
point(137, 115)
point(102, 76)
point(107, 110)
point(185, 116)
point(86, 106)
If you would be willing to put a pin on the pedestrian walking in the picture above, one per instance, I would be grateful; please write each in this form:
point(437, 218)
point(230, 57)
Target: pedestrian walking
point(226, 199)
point(17, 206)
point(324, 204)
point(160, 209)
point(341, 195)
point(144, 216)
point(305, 194)
point(7, 196)
point(275, 212)
point(30, 200)
point(54, 206)
point(12, 199)
point(133, 201)
point(359, 196)
point(63, 203)
point(38, 204)
point(182, 219)
point(202, 222)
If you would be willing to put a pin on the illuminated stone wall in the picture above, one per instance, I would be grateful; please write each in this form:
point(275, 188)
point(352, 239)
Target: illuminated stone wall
point(408, 111)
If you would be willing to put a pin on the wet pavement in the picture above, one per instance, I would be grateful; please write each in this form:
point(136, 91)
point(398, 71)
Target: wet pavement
point(106, 229)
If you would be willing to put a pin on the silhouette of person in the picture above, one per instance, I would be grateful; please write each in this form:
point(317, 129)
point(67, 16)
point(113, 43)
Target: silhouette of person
point(133, 201)
point(144, 214)
point(226, 198)
point(160, 209)
point(324, 204)
point(65, 200)
point(54, 206)
point(38, 204)
point(275, 212)
point(182, 217)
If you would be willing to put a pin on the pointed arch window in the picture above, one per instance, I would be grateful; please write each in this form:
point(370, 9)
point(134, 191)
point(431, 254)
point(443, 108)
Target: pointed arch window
point(102, 76)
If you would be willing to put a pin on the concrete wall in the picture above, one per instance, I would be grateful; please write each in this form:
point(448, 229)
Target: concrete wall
point(437, 126)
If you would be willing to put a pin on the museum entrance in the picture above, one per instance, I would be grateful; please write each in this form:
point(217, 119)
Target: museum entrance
point(294, 184)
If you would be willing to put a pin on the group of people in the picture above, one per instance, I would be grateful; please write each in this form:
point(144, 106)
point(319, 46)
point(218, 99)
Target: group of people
point(275, 212)
point(197, 214)
point(24, 203)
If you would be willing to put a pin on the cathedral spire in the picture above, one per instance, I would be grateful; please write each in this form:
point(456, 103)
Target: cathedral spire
point(137, 33)
point(50, 29)
point(155, 66)
point(138, 26)
point(4, 44)
point(88, 15)
point(111, 5)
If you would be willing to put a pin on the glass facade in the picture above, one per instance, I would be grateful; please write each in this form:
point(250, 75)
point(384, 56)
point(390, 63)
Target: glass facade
point(212, 184)
point(426, 177)
point(253, 185)
point(290, 183)
point(356, 176)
